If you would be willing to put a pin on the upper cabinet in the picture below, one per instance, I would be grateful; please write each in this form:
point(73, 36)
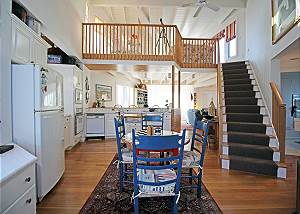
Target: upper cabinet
point(27, 46)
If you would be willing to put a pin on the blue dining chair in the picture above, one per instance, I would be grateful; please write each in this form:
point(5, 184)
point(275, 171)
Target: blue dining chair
point(193, 159)
point(152, 179)
point(155, 120)
point(125, 156)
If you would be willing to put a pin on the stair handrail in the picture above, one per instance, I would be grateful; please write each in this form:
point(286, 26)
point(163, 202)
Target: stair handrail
point(279, 119)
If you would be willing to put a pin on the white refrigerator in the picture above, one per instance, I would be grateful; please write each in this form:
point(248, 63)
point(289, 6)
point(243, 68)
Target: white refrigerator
point(38, 121)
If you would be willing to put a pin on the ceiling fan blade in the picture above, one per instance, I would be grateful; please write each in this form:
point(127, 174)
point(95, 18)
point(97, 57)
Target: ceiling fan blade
point(213, 7)
point(187, 5)
point(197, 12)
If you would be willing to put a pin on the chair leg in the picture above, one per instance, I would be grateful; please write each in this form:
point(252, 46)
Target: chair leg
point(191, 174)
point(136, 205)
point(175, 206)
point(121, 177)
point(199, 184)
point(125, 173)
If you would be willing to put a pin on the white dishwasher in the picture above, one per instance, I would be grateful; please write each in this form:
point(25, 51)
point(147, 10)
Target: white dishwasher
point(95, 125)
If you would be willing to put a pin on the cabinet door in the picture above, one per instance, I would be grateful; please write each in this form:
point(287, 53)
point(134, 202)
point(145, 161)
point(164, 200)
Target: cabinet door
point(67, 132)
point(21, 43)
point(39, 53)
point(78, 78)
point(109, 125)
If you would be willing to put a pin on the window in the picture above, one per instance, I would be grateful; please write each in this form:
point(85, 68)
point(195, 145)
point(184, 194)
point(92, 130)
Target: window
point(232, 49)
point(125, 96)
point(222, 49)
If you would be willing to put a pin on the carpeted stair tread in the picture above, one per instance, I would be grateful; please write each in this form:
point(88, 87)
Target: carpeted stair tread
point(249, 134)
point(240, 101)
point(244, 117)
point(234, 63)
point(236, 81)
point(242, 109)
point(236, 76)
point(253, 165)
point(249, 93)
point(251, 151)
point(246, 127)
point(235, 71)
point(234, 66)
point(238, 87)
point(249, 138)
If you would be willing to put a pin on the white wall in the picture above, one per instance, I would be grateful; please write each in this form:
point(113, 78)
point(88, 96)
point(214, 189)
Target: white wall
point(5, 72)
point(239, 16)
point(61, 23)
point(104, 78)
point(260, 50)
point(158, 94)
point(204, 96)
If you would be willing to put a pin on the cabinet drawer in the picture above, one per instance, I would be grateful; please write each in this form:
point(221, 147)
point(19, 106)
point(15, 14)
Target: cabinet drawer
point(26, 204)
point(17, 186)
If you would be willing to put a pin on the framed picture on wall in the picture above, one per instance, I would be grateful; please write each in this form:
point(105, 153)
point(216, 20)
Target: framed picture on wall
point(285, 15)
point(103, 92)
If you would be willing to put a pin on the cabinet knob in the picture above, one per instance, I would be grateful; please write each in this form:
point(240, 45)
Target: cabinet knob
point(28, 179)
point(28, 201)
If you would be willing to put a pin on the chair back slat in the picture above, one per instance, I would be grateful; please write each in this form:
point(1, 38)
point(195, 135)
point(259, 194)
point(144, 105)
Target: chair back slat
point(156, 120)
point(158, 142)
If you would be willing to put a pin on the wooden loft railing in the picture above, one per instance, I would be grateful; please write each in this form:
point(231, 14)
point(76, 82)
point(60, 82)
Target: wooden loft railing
point(199, 53)
point(279, 119)
point(146, 42)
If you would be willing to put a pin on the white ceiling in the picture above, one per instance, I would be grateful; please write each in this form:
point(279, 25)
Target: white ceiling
point(171, 11)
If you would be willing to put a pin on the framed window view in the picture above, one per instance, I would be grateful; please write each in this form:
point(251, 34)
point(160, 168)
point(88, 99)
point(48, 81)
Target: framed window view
point(285, 15)
point(103, 92)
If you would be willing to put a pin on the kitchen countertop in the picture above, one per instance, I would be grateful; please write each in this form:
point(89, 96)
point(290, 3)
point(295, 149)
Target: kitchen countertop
point(14, 161)
point(125, 110)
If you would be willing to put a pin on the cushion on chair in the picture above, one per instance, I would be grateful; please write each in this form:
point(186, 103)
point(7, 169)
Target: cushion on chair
point(157, 176)
point(190, 159)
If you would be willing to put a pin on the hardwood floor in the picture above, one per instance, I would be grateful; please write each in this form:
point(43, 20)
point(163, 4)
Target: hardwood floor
point(234, 192)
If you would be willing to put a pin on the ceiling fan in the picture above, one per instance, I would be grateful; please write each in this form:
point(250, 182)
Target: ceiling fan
point(200, 4)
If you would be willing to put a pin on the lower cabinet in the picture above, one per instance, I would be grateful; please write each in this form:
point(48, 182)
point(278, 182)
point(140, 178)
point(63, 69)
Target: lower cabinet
point(26, 204)
point(109, 125)
point(20, 192)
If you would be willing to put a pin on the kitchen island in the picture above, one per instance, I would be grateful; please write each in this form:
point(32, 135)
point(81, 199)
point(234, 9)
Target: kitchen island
point(100, 121)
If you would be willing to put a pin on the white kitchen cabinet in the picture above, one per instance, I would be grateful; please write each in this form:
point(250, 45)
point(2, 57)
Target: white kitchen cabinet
point(73, 100)
point(17, 182)
point(39, 53)
point(109, 125)
point(27, 46)
point(67, 132)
